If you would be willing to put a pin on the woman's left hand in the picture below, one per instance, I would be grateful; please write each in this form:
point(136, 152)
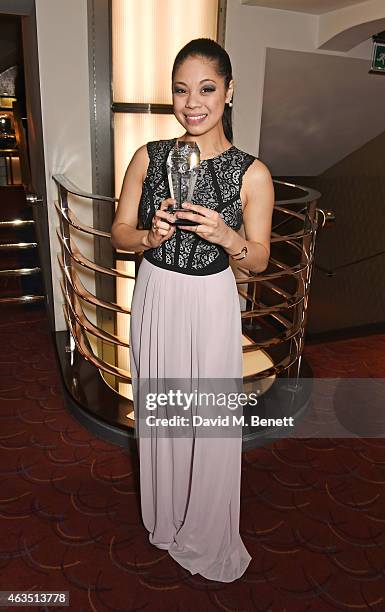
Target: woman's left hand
point(211, 225)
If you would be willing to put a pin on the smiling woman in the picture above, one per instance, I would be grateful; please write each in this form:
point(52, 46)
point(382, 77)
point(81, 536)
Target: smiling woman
point(191, 118)
point(185, 313)
point(201, 101)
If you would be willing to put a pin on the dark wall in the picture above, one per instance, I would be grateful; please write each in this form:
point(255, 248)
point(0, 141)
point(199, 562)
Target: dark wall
point(10, 41)
point(352, 247)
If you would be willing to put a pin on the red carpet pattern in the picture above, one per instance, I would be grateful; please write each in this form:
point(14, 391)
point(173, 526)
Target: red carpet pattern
point(312, 511)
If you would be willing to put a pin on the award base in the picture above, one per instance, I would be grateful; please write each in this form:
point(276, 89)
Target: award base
point(181, 221)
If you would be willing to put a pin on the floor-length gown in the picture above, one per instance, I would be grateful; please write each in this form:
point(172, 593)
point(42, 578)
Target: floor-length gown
point(186, 326)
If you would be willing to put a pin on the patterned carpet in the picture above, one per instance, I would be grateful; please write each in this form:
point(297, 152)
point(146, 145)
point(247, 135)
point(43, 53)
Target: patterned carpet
point(312, 511)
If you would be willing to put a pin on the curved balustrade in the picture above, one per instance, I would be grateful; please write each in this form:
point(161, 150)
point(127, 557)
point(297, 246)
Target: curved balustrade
point(274, 302)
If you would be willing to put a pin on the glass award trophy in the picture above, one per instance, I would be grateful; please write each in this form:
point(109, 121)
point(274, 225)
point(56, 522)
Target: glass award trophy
point(182, 171)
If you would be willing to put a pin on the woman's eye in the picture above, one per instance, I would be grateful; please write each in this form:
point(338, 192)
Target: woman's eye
point(180, 90)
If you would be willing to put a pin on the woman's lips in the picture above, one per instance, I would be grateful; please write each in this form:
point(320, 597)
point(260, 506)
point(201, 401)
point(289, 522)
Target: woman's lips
point(194, 120)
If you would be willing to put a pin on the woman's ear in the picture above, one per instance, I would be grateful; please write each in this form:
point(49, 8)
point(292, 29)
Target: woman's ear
point(230, 91)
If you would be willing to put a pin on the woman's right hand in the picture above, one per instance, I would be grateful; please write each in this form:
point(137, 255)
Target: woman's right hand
point(161, 230)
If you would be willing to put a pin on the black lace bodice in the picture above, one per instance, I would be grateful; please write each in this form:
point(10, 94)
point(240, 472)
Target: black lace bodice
point(218, 187)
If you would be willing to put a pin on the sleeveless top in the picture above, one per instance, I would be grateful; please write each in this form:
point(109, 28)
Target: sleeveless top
point(218, 187)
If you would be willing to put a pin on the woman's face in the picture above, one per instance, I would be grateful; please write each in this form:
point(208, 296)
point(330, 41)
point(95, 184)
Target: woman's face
point(199, 95)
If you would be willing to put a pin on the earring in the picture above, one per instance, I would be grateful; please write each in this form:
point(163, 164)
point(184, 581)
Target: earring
point(230, 103)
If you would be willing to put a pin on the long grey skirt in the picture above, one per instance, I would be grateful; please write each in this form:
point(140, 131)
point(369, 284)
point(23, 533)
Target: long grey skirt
point(185, 326)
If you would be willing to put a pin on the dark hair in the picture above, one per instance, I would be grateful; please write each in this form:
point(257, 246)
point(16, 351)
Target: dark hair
point(206, 47)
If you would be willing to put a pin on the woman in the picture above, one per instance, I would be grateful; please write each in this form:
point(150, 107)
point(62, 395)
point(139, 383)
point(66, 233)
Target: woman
point(185, 314)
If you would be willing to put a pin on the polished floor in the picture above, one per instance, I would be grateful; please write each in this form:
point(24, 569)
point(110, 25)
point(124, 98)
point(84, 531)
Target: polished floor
point(312, 510)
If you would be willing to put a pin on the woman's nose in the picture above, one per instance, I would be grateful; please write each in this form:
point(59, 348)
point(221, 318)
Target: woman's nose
point(192, 101)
